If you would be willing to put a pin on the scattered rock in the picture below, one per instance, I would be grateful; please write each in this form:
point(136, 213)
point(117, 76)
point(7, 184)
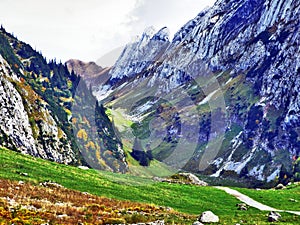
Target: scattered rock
point(168, 209)
point(208, 217)
point(273, 216)
point(29, 207)
point(83, 167)
point(157, 222)
point(292, 200)
point(279, 186)
point(61, 204)
point(21, 182)
point(242, 206)
point(24, 174)
point(197, 223)
point(62, 216)
point(50, 184)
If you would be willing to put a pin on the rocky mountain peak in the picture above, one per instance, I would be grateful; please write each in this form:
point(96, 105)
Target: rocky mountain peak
point(148, 33)
point(252, 48)
point(243, 53)
point(136, 56)
point(162, 35)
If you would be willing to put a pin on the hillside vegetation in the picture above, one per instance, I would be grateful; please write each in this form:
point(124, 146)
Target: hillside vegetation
point(186, 199)
point(67, 124)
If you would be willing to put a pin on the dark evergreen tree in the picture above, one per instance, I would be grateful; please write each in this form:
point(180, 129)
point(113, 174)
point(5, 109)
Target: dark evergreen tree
point(139, 154)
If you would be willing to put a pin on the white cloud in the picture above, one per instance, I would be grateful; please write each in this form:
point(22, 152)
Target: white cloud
point(170, 13)
point(87, 29)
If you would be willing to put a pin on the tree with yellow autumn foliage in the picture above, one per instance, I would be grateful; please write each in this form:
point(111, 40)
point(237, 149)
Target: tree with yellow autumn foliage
point(82, 134)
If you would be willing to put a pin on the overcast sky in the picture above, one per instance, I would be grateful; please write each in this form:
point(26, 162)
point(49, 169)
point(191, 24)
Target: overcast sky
point(88, 29)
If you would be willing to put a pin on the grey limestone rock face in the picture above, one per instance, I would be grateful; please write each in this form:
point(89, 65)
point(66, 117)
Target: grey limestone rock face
point(254, 42)
point(16, 131)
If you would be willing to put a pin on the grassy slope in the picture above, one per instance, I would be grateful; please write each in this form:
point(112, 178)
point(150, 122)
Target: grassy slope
point(184, 198)
point(45, 204)
point(123, 125)
point(280, 199)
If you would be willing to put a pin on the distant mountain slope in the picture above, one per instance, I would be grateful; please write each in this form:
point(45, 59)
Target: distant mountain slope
point(93, 75)
point(85, 70)
point(242, 58)
point(48, 112)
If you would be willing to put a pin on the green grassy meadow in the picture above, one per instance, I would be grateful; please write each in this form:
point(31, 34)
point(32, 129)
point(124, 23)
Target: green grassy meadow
point(188, 199)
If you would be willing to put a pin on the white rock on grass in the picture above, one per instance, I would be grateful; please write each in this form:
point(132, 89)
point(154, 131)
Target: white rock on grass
point(197, 223)
point(274, 216)
point(83, 167)
point(208, 217)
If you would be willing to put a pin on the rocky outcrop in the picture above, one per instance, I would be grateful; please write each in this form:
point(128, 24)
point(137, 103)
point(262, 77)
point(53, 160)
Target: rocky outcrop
point(16, 131)
point(48, 112)
point(139, 55)
point(182, 178)
point(17, 127)
point(193, 179)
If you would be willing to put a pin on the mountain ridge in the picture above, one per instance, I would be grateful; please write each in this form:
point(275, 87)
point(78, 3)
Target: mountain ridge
point(250, 47)
point(48, 112)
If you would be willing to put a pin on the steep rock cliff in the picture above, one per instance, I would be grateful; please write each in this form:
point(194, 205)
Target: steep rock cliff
point(251, 51)
point(49, 112)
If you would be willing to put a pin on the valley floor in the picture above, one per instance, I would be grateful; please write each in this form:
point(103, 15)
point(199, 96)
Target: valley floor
point(34, 191)
point(251, 202)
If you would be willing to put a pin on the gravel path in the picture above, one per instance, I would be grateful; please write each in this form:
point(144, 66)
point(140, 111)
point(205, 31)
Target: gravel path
point(251, 202)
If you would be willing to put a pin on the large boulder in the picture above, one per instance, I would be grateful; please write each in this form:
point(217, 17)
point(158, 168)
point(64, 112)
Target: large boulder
point(208, 217)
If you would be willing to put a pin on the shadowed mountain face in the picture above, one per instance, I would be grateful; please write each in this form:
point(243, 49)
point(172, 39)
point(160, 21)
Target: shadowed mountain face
point(237, 64)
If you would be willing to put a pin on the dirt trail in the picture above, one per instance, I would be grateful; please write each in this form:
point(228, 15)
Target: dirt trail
point(251, 202)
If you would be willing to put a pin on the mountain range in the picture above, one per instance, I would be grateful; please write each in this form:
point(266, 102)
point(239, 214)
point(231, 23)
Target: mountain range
point(219, 99)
